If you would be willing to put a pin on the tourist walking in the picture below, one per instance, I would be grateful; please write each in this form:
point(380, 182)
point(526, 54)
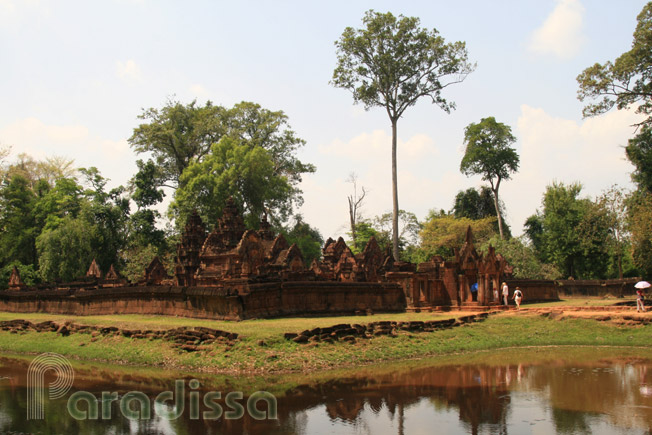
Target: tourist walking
point(505, 293)
point(640, 305)
point(518, 296)
point(496, 299)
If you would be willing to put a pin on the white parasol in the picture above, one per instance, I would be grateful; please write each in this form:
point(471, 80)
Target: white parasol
point(642, 284)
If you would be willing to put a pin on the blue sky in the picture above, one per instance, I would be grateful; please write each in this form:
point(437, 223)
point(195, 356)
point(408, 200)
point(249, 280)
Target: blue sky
point(75, 75)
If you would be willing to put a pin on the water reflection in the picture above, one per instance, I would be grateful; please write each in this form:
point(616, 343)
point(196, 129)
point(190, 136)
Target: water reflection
point(608, 395)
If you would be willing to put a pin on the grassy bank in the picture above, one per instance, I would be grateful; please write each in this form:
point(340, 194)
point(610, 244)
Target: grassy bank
point(262, 348)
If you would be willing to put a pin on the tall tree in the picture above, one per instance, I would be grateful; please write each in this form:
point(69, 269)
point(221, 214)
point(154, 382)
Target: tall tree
point(625, 82)
point(392, 63)
point(488, 153)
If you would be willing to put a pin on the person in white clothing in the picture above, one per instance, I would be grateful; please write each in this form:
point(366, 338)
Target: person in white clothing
point(505, 293)
point(518, 296)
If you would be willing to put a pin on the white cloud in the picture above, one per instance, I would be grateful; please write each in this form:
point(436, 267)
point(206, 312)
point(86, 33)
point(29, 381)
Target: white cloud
point(421, 186)
point(368, 145)
point(13, 13)
point(556, 149)
point(128, 71)
point(33, 134)
point(199, 91)
point(40, 140)
point(561, 33)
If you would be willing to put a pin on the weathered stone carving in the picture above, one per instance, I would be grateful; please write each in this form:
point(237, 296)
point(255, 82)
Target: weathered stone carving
point(15, 283)
point(155, 272)
point(94, 271)
point(188, 250)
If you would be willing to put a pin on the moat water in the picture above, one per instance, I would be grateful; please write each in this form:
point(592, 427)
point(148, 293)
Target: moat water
point(539, 391)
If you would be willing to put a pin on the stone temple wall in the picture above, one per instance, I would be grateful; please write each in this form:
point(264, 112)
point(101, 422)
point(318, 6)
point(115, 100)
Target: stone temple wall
point(263, 300)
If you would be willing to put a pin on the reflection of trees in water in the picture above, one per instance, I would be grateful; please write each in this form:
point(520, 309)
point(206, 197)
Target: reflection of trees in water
point(479, 394)
point(570, 422)
point(577, 392)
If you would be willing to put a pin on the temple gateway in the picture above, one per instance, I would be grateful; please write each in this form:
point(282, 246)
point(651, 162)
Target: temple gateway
point(233, 273)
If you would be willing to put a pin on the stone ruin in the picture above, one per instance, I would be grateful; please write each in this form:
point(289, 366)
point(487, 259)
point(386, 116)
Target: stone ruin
point(233, 272)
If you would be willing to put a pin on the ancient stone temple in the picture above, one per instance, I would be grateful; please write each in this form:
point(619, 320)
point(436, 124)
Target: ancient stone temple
point(188, 250)
point(238, 273)
point(232, 256)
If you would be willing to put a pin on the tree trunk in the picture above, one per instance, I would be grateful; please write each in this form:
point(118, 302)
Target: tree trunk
point(395, 252)
point(498, 214)
point(352, 221)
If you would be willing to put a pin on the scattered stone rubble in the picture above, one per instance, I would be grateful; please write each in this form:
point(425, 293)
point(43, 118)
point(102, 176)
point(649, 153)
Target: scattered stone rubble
point(351, 333)
point(189, 339)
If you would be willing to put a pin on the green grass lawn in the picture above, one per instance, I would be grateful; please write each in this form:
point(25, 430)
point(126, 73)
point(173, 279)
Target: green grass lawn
point(254, 329)
point(582, 302)
point(276, 354)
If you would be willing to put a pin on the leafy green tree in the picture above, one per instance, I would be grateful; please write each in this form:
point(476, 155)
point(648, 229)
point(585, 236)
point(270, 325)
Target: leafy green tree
point(5, 151)
point(474, 204)
point(239, 170)
point(66, 251)
point(252, 124)
point(48, 170)
point(145, 192)
point(392, 63)
point(307, 238)
point(177, 135)
point(136, 258)
point(571, 232)
point(18, 229)
point(364, 231)
point(107, 214)
point(639, 223)
point(380, 227)
point(64, 199)
point(441, 233)
point(639, 152)
point(28, 274)
point(533, 229)
point(522, 257)
point(625, 82)
point(596, 241)
point(613, 202)
point(488, 153)
point(562, 214)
